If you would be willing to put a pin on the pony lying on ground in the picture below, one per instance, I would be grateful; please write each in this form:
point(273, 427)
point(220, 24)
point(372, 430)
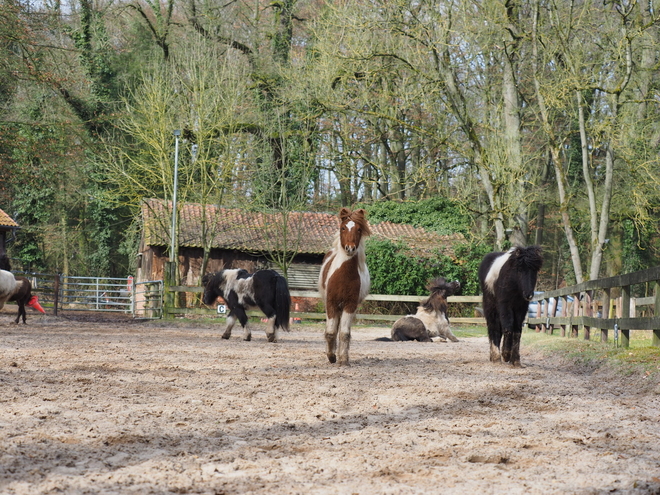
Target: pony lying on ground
point(507, 283)
point(19, 291)
point(265, 289)
point(344, 282)
point(431, 318)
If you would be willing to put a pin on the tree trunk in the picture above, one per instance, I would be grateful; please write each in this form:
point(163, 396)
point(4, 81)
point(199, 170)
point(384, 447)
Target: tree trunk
point(512, 138)
point(555, 154)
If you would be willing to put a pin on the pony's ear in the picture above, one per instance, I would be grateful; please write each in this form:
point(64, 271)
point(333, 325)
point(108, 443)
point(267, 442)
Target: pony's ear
point(360, 216)
point(206, 278)
point(344, 213)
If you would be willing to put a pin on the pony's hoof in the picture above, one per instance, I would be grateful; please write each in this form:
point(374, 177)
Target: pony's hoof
point(344, 364)
point(248, 338)
point(271, 338)
point(332, 358)
point(226, 336)
point(518, 364)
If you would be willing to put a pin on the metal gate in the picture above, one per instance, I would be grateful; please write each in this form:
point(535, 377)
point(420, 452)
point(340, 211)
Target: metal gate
point(102, 294)
point(95, 294)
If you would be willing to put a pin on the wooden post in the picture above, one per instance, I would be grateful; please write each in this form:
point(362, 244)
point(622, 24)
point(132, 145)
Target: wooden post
point(576, 312)
point(544, 315)
point(57, 292)
point(605, 313)
point(624, 336)
point(655, 340)
point(564, 312)
point(587, 310)
point(537, 328)
point(169, 279)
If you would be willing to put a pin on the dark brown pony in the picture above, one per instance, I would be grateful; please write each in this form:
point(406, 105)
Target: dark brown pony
point(344, 282)
point(21, 293)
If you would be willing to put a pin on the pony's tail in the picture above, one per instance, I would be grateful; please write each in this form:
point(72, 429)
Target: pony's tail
point(282, 303)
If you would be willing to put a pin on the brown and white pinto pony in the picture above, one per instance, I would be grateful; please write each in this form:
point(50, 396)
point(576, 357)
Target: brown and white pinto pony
point(431, 318)
point(344, 282)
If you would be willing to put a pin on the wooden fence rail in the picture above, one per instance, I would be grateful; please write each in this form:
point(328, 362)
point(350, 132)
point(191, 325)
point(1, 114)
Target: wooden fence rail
point(592, 306)
point(170, 310)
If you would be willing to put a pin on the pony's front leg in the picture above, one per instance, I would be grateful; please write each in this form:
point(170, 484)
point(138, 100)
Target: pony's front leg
point(507, 345)
point(21, 313)
point(243, 319)
point(515, 350)
point(345, 337)
point(495, 338)
point(270, 330)
point(331, 328)
point(444, 330)
point(231, 321)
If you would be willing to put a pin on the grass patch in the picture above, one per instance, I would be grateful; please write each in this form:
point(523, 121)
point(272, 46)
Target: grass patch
point(466, 331)
point(639, 357)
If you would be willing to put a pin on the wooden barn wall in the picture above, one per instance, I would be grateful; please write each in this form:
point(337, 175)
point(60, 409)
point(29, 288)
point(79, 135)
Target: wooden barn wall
point(153, 261)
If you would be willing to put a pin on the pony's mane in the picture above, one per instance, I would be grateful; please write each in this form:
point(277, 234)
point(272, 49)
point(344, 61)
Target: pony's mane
point(358, 216)
point(439, 291)
point(528, 258)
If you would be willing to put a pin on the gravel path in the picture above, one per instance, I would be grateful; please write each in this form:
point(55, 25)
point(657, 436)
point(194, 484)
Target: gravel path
point(123, 407)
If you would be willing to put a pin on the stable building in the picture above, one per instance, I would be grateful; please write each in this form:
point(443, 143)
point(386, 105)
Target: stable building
point(239, 238)
point(7, 226)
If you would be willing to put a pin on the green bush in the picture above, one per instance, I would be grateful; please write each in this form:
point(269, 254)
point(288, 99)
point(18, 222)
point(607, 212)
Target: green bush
point(438, 214)
point(394, 270)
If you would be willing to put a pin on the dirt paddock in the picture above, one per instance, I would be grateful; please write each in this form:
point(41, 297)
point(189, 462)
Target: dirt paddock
point(119, 407)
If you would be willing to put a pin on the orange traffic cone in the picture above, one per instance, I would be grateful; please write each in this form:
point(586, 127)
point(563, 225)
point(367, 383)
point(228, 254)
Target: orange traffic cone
point(34, 302)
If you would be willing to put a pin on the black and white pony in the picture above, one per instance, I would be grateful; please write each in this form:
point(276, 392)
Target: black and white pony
point(507, 283)
point(431, 318)
point(265, 289)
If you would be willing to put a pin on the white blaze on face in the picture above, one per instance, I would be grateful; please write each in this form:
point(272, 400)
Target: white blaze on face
point(495, 268)
point(350, 225)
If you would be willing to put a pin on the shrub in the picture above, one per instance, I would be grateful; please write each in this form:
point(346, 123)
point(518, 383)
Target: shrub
point(438, 214)
point(394, 270)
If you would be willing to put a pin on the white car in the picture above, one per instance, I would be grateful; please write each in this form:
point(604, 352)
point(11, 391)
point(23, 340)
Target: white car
point(533, 307)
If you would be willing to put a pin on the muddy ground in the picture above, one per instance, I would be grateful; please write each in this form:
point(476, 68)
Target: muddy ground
point(121, 407)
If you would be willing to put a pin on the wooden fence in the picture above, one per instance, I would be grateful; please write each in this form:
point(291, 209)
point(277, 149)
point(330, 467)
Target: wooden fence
point(171, 291)
point(586, 306)
point(592, 307)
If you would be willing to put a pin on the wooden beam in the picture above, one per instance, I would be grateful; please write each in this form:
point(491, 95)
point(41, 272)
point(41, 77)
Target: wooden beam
point(624, 329)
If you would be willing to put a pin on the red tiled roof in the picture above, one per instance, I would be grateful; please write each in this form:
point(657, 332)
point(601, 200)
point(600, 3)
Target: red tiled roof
point(243, 230)
point(6, 221)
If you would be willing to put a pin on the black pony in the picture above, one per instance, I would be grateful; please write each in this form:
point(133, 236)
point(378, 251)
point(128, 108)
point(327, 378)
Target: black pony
point(265, 289)
point(507, 283)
